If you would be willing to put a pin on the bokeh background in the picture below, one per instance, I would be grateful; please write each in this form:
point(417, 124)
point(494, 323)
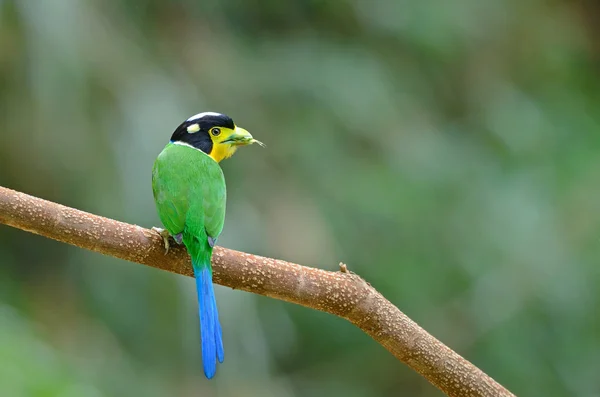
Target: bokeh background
point(448, 152)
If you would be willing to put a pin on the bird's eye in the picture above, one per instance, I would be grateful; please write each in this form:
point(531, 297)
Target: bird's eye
point(215, 131)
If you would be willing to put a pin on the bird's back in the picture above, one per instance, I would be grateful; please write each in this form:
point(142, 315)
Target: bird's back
point(189, 190)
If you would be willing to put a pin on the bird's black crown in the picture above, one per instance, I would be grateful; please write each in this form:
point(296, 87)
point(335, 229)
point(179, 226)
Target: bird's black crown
point(201, 138)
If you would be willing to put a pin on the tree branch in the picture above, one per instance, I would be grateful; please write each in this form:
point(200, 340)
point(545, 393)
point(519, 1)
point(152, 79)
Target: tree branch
point(340, 293)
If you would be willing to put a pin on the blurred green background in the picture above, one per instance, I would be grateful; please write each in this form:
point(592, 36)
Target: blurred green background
point(448, 152)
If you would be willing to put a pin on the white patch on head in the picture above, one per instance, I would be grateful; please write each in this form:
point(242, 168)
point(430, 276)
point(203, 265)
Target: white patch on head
point(201, 115)
point(193, 128)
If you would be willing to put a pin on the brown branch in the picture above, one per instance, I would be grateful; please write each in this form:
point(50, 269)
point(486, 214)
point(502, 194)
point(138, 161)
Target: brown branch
point(341, 293)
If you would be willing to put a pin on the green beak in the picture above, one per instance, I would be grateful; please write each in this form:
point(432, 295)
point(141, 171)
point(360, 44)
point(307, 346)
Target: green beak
point(241, 137)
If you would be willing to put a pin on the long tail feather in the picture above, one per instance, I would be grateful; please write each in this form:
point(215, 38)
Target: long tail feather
point(210, 328)
point(218, 335)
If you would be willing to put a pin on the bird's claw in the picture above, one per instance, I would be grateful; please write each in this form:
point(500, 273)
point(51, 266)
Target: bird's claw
point(164, 233)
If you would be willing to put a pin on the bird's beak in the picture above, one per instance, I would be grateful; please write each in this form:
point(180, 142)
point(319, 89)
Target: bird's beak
point(241, 137)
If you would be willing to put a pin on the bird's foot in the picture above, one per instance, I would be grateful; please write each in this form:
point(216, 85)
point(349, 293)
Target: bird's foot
point(164, 233)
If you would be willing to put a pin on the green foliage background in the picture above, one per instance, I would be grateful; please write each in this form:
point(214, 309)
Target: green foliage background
point(449, 152)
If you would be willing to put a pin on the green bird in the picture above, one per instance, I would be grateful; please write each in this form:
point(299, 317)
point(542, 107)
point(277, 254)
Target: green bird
point(189, 192)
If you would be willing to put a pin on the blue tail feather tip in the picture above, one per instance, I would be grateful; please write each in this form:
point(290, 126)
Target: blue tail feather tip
point(210, 328)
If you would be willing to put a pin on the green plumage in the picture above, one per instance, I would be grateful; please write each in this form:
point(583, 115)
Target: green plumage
point(189, 191)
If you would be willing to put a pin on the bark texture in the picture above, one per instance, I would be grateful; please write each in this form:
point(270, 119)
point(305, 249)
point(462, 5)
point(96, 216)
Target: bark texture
point(340, 293)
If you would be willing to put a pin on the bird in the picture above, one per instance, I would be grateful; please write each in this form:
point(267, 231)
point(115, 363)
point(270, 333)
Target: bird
point(189, 192)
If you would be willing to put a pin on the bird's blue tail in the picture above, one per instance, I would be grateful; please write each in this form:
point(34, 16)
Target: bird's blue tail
point(210, 328)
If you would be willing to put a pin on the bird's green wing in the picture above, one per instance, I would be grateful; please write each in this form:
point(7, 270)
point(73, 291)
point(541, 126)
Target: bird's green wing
point(189, 191)
point(214, 203)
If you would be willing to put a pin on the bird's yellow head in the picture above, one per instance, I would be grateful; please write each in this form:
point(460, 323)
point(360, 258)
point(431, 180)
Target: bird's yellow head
point(213, 133)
